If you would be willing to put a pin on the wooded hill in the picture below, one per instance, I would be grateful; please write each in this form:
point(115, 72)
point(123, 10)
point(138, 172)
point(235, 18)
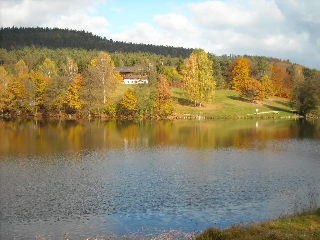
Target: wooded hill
point(53, 38)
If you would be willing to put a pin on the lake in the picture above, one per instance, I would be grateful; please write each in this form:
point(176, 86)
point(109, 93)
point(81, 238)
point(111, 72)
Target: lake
point(86, 179)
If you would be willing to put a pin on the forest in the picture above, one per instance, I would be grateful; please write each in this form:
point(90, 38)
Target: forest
point(55, 38)
point(37, 80)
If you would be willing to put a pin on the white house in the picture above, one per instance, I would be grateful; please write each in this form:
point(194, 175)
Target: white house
point(132, 75)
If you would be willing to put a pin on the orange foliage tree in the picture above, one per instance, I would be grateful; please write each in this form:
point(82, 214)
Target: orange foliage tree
point(252, 89)
point(163, 104)
point(281, 81)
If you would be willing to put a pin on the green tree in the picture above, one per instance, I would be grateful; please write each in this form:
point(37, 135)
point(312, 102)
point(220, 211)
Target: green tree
point(217, 73)
point(305, 97)
point(262, 67)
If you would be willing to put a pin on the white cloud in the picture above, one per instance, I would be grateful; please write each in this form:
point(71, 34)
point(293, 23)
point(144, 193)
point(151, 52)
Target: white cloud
point(277, 28)
point(58, 13)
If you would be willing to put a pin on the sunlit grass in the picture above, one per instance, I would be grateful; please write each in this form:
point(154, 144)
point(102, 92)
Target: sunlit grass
point(299, 226)
point(228, 104)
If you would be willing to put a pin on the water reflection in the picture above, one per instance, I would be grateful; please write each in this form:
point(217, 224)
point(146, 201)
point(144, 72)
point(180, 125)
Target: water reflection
point(39, 137)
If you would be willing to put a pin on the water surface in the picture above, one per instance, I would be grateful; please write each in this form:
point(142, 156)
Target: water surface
point(71, 180)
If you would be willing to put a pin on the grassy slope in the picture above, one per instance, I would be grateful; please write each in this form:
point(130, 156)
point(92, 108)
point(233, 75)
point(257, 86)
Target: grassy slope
point(225, 104)
point(300, 226)
point(228, 104)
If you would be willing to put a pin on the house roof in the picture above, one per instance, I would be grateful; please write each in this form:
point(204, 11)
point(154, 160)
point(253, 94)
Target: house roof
point(126, 69)
point(134, 69)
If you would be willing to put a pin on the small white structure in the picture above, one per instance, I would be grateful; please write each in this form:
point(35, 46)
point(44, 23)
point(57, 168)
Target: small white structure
point(134, 81)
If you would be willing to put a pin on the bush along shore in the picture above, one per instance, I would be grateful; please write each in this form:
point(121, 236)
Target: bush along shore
point(304, 225)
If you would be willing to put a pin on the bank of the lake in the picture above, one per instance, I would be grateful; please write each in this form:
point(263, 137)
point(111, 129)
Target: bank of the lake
point(227, 104)
point(305, 225)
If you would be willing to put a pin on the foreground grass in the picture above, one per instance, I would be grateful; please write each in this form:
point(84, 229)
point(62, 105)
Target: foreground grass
point(299, 226)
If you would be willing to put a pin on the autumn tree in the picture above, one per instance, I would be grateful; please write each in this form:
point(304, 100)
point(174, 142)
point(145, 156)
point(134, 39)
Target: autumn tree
point(56, 93)
point(92, 94)
point(48, 68)
point(190, 78)
point(73, 94)
point(40, 83)
point(104, 72)
point(252, 89)
point(128, 105)
point(70, 70)
point(16, 93)
point(268, 86)
point(198, 82)
point(240, 73)
point(163, 105)
point(4, 79)
point(281, 82)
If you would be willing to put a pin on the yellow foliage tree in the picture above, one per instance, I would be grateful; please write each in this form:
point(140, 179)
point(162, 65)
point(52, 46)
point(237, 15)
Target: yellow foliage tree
point(73, 95)
point(190, 75)
point(16, 93)
point(240, 73)
point(70, 70)
point(40, 83)
point(4, 79)
point(268, 86)
point(129, 103)
point(198, 82)
point(48, 68)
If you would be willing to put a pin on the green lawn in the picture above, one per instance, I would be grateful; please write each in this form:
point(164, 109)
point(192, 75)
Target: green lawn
point(228, 104)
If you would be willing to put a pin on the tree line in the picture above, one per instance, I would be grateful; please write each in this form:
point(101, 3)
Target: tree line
point(54, 38)
point(45, 81)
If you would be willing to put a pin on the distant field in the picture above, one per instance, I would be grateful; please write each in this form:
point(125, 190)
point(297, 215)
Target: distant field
point(226, 103)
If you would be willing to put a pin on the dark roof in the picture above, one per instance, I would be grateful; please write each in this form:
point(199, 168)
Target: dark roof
point(126, 69)
point(134, 69)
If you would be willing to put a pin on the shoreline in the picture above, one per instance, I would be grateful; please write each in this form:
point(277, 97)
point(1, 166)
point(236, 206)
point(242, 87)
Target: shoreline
point(66, 117)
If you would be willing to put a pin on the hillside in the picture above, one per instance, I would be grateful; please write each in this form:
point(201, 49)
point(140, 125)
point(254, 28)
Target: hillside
point(18, 38)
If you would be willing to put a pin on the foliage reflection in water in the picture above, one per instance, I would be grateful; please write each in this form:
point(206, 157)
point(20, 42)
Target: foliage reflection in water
point(83, 179)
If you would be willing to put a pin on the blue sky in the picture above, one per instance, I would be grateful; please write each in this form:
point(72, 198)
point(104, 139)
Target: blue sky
point(286, 29)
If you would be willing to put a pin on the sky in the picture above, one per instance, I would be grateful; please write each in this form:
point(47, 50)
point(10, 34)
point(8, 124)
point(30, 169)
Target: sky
point(285, 29)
